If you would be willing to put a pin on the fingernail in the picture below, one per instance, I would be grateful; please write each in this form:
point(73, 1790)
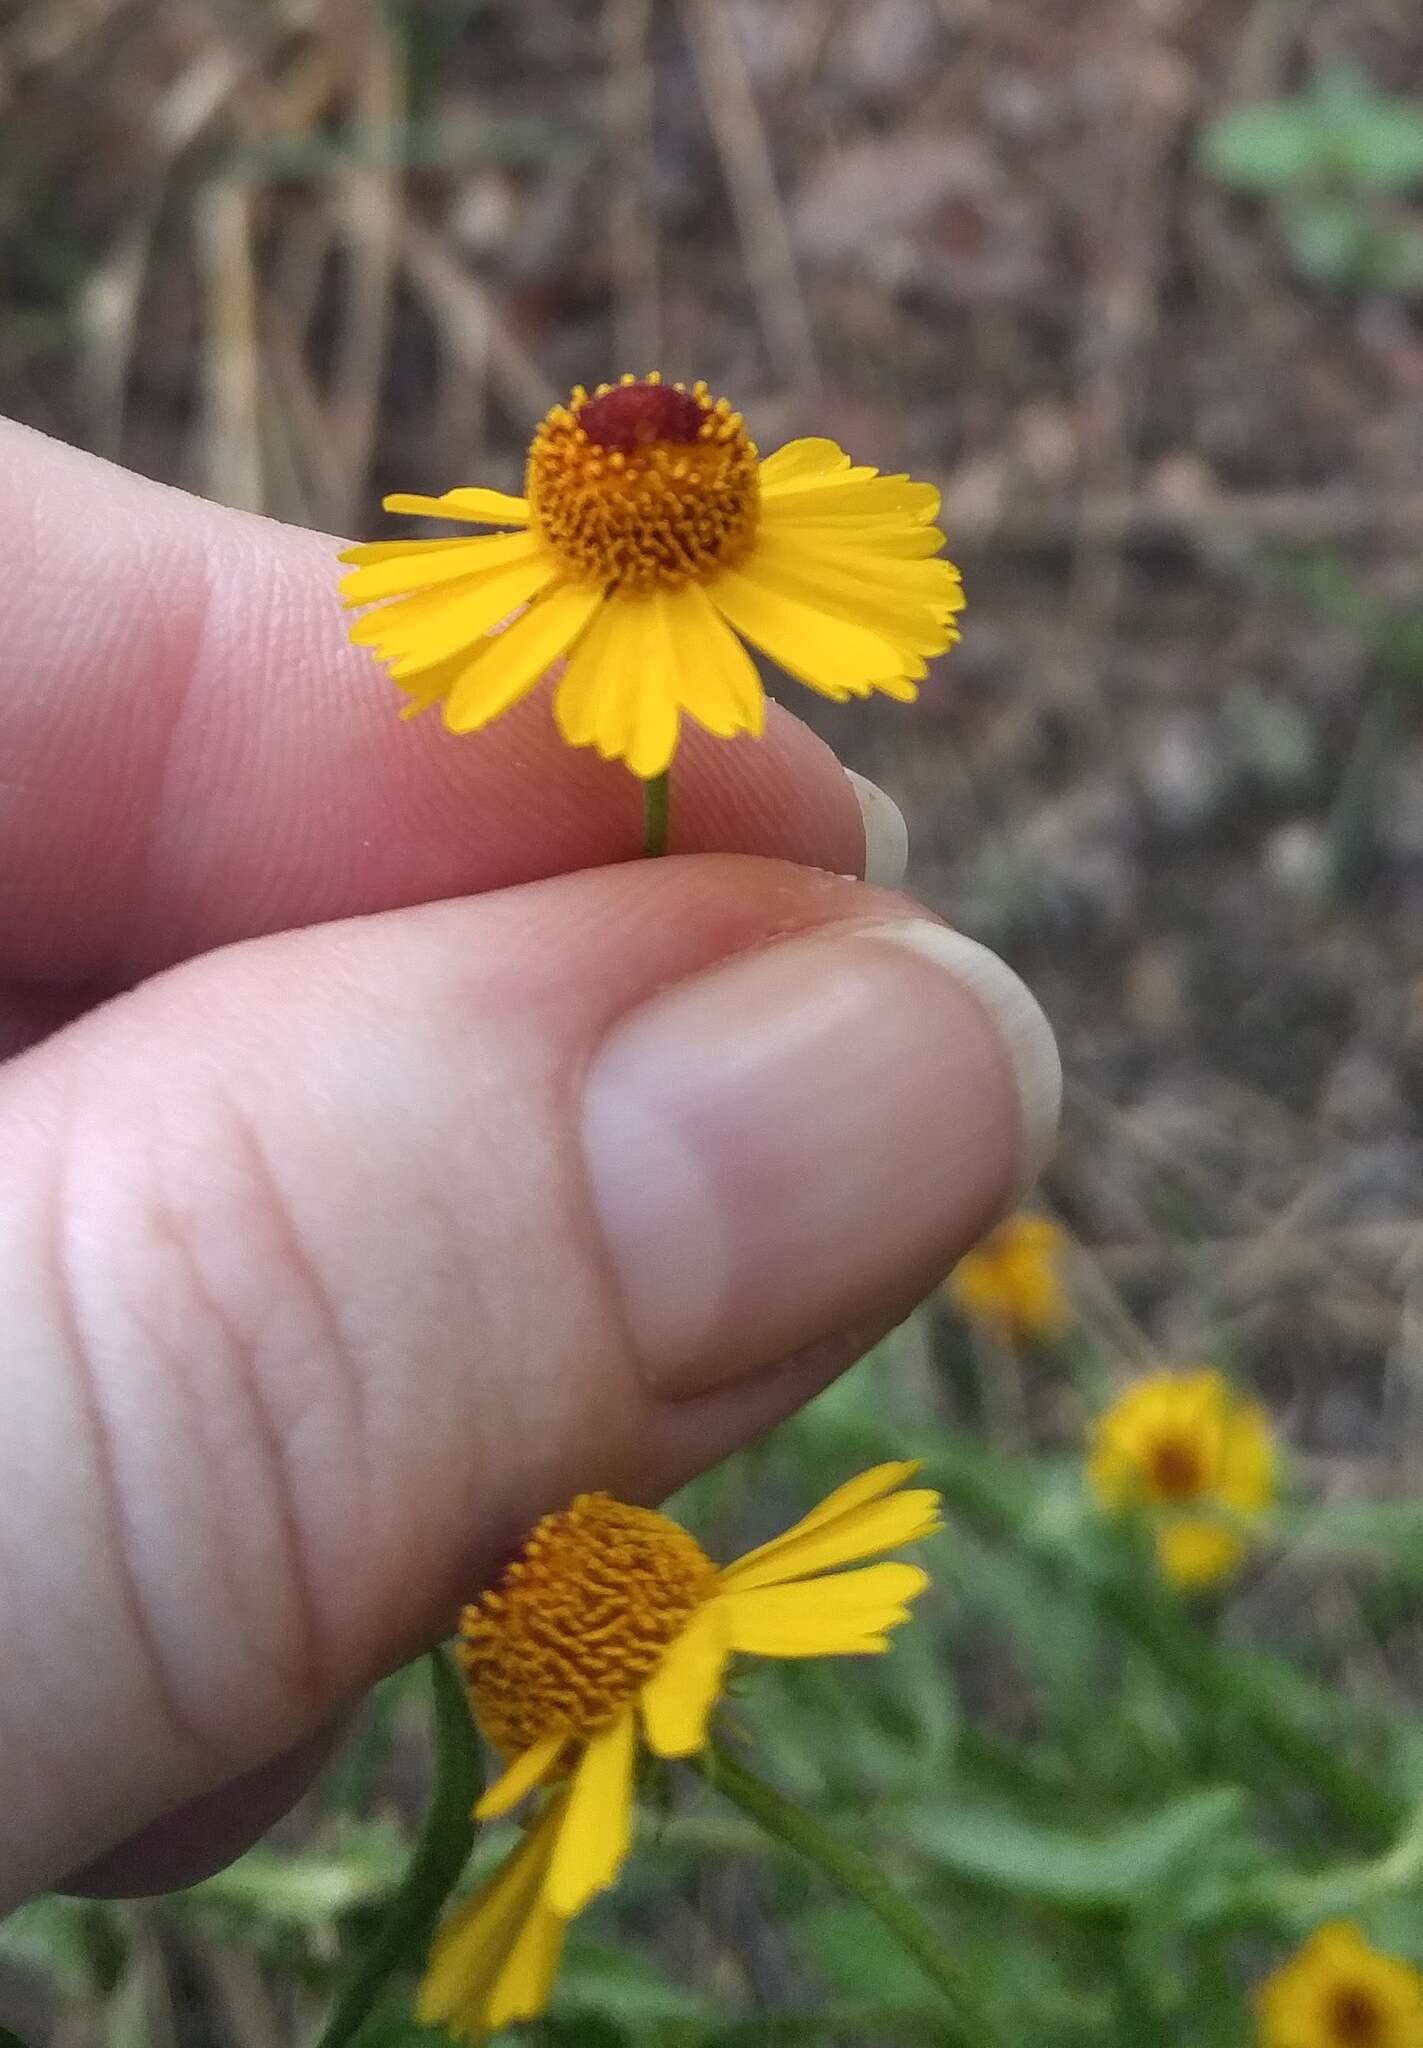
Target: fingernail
point(886, 834)
point(808, 1137)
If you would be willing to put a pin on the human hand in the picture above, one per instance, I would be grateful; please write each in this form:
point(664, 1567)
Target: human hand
point(373, 1174)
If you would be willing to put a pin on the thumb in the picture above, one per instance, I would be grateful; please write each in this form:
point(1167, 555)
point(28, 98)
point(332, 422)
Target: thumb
point(331, 1261)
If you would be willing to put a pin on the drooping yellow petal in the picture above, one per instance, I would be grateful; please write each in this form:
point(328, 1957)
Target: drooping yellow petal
point(1196, 1551)
point(911, 604)
point(472, 1951)
point(833, 656)
point(873, 540)
point(865, 1487)
point(644, 660)
point(844, 1615)
point(801, 461)
point(422, 564)
point(521, 1776)
point(681, 1693)
point(418, 632)
point(593, 1839)
point(484, 508)
point(862, 1531)
point(717, 679)
point(523, 1986)
point(513, 662)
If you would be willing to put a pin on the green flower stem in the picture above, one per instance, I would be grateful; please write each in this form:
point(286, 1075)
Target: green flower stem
point(9, 2040)
point(855, 1875)
point(435, 1863)
point(656, 796)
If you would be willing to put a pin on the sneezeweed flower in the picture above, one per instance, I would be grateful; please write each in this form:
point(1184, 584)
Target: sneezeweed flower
point(1339, 1992)
point(613, 1628)
point(1012, 1282)
point(1197, 1457)
point(649, 537)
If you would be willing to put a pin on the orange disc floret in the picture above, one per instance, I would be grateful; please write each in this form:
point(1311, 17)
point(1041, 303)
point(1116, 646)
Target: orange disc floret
point(580, 1620)
point(643, 486)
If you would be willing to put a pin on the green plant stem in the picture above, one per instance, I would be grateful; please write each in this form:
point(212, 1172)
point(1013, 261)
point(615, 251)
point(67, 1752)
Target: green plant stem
point(435, 1863)
point(656, 799)
point(855, 1875)
point(1221, 1681)
point(9, 2040)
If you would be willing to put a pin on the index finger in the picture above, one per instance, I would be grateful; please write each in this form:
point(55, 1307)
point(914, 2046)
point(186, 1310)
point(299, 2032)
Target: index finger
point(191, 753)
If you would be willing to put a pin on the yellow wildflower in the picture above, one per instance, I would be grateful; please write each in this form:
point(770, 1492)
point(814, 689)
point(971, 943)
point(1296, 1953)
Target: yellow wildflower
point(1012, 1282)
point(1338, 1992)
point(1186, 1447)
point(650, 535)
point(613, 1626)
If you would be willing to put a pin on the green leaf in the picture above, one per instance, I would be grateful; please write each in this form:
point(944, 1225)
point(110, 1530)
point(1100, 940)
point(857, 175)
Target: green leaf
point(306, 1888)
point(1264, 148)
point(9, 2040)
point(1115, 1870)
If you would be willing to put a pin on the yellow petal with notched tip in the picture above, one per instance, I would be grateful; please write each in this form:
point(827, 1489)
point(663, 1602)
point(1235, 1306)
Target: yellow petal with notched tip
point(593, 1839)
point(511, 663)
point(860, 1532)
point(421, 566)
point(520, 1777)
point(842, 1615)
point(681, 1693)
point(476, 1943)
point(483, 508)
point(831, 655)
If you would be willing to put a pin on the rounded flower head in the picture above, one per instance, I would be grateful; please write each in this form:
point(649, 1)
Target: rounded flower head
point(1338, 1992)
point(1012, 1282)
point(1187, 1448)
point(649, 538)
point(613, 1628)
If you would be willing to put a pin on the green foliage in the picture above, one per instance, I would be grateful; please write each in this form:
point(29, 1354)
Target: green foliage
point(1113, 1815)
point(1336, 162)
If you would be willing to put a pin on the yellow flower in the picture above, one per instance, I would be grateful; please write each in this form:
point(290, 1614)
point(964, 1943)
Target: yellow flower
point(614, 1626)
point(1012, 1282)
point(648, 538)
point(1338, 1992)
point(1189, 1449)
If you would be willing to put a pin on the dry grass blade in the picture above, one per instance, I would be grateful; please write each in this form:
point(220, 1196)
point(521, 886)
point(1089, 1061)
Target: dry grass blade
point(471, 326)
point(756, 201)
point(637, 313)
point(232, 367)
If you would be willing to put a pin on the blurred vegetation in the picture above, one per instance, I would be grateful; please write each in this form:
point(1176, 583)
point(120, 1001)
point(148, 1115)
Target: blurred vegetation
point(1140, 285)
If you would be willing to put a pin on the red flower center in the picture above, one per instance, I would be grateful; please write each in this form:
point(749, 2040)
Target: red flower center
point(635, 415)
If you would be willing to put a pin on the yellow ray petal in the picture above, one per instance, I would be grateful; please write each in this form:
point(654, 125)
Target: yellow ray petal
point(681, 1693)
point(421, 567)
point(877, 540)
point(799, 460)
point(856, 1492)
point(595, 668)
point(833, 656)
point(520, 1777)
point(857, 495)
point(840, 1616)
point(473, 1947)
point(512, 663)
point(1196, 1551)
point(417, 632)
point(912, 604)
point(716, 678)
point(362, 551)
point(593, 1839)
point(862, 1531)
point(522, 1989)
point(484, 508)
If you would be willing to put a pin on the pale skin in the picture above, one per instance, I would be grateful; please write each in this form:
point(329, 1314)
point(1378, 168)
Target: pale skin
point(321, 1043)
